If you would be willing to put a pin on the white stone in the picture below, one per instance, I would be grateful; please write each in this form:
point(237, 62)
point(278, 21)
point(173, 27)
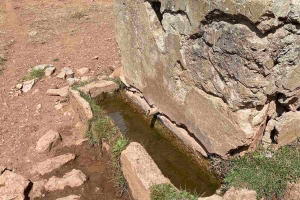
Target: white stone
point(49, 71)
point(27, 85)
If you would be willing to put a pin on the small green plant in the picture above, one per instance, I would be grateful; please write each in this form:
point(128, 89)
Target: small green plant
point(3, 59)
point(1, 71)
point(78, 14)
point(55, 59)
point(265, 171)
point(119, 145)
point(35, 73)
point(102, 127)
point(169, 192)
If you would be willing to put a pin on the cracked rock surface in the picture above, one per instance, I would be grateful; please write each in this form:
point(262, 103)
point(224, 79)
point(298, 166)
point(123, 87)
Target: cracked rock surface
point(224, 69)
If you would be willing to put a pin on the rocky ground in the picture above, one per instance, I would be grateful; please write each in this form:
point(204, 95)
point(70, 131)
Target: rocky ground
point(41, 144)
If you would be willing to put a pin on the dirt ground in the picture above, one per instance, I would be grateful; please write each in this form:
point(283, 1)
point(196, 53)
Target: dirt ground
point(73, 33)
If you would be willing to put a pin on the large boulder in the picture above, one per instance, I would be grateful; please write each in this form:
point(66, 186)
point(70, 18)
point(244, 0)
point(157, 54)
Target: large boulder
point(140, 171)
point(213, 66)
point(12, 186)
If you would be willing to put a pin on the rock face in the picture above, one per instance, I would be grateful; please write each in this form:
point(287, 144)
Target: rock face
point(74, 178)
point(140, 171)
point(52, 163)
point(216, 66)
point(48, 141)
point(12, 186)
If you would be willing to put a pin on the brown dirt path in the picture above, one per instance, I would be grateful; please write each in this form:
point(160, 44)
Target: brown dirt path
point(59, 32)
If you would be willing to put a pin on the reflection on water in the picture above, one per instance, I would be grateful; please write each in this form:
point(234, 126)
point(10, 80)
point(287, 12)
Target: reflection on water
point(182, 171)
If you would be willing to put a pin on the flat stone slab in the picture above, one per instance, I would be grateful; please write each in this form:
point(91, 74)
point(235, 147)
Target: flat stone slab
point(12, 186)
point(52, 163)
point(48, 141)
point(27, 85)
point(63, 92)
point(81, 106)
point(72, 179)
point(94, 89)
point(140, 171)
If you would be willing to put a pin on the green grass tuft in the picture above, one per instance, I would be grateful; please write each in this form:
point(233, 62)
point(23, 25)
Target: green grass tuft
point(169, 192)
point(267, 172)
point(35, 73)
point(55, 59)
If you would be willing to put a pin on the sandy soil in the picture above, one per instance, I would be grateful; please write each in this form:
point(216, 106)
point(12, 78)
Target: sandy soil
point(59, 32)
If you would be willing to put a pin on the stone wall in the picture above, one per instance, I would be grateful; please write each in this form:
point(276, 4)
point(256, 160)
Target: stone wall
point(226, 70)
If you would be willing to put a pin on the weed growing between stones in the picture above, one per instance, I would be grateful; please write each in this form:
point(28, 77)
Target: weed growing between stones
point(35, 73)
point(266, 171)
point(169, 192)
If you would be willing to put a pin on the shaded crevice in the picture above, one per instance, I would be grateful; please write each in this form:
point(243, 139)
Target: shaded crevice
point(273, 136)
point(27, 191)
point(238, 150)
point(156, 7)
point(218, 15)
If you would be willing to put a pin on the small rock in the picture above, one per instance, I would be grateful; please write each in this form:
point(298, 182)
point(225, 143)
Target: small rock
point(61, 75)
point(105, 147)
point(37, 189)
point(38, 108)
point(42, 67)
point(49, 71)
point(27, 86)
point(58, 106)
point(116, 74)
point(52, 163)
point(80, 142)
point(66, 72)
point(12, 186)
point(72, 81)
point(32, 33)
point(74, 178)
point(96, 58)
point(48, 141)
point(63, 92)
point(19, 86)
point(86, 78)
point(71, 197)
point(83, 71)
